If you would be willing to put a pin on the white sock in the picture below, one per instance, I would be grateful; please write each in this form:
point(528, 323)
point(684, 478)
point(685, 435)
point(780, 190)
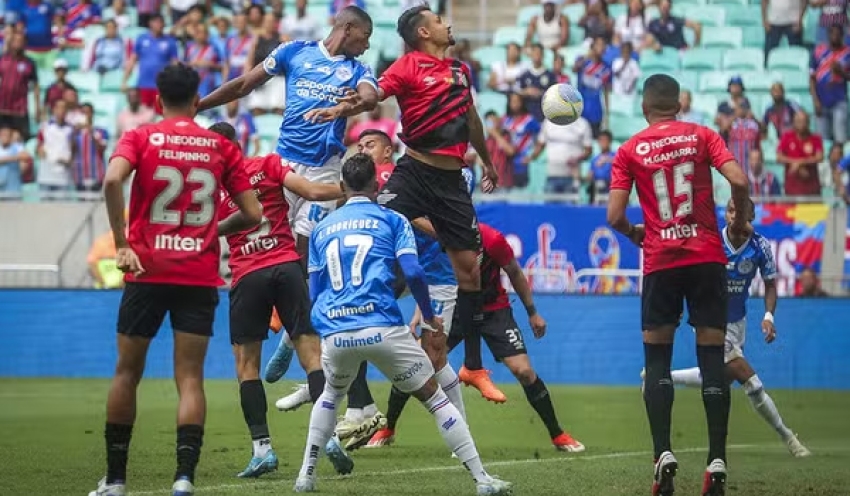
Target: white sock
point(287, 340)
point(322, 420)
point(456, 434)
point(262, 447)
point(369, 411)
point(354, 415)
point(447, 379)
point(765, 406)
point(687, 377)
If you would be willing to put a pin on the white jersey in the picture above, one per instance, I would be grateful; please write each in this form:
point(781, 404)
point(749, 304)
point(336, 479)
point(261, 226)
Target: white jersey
point(549, 33)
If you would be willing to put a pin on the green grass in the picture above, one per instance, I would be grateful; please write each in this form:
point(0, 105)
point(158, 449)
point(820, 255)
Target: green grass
point(51, 443)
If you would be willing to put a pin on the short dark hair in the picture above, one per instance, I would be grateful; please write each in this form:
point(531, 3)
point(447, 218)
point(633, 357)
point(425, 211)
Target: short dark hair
point(358, 172)
point(661, 93)
point(377, 132)
point(224, 129)
point(490, 113)
point(409, 22)
point(607, 134)
point(177, 85)
point(87, 105)
point(354, 15)
point(537, 46)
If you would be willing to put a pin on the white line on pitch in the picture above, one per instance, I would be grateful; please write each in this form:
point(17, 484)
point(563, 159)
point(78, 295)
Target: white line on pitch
point(458, 466)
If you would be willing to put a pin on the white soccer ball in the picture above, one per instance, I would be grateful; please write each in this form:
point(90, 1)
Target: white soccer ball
point(562, 104)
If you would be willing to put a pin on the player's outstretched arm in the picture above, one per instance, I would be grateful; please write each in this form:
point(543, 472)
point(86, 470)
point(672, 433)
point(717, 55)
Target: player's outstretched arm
point(249, 215)
point(415, 277)
point(424, 224)
point(520, 284)
point(235, 88)
point(113, 191)
point(309, 190)
point(733, 173)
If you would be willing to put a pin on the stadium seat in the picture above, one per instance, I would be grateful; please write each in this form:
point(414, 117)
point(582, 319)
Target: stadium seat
point(73, 56)
point(525, 14)
point(132, 32)
point(753, 36)
point(794, 81)
point(789, 59)
point(743, 15)
point(702, 59)
point(722, 37)
point(705, 103)
point(615, 10)
point(803, 99)
point(666, 61)
point(88, 82)
point(743, 59)
point(387, 42)
point(386, 17)
point(574, 12)
point(571, 54)
point(93, 32)
point(691, 2)
point(509, 34)
point(490, 100)
point(107, 123)
point(487, 55)
point(624, 128)
point(687, 80)
point(107, 104)
point(758, 81)
point(111, 81)
point(268, 126)
point(727, 3)
point(621, 105)
point(707, 15)
point(714, 82)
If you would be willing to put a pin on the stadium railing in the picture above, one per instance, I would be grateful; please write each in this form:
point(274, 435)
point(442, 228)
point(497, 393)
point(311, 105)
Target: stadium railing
point(30, 276)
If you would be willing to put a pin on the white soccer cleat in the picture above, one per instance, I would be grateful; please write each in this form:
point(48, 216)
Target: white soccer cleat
point(665, 471)
point(494, 487)
point(714, 481)
point(796, 447)
point(182, 487)
point(364, 431)
point(104, 489)
point(304, 484)
point(292, 402)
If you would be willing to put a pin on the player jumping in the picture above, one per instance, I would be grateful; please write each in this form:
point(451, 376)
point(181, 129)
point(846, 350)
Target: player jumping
point(171, 259)
point(439, 122)
point(746, 255)
point(670, 163)
point(267, 275)
point(502, 335)
point(353, 253)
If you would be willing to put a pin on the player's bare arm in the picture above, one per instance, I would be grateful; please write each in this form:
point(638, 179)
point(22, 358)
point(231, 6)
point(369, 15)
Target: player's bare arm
point(250, 214)
point(113, 191)
point(311, 191)
point(618, 202)
point(770, 298)
point(479, 142)
point(349, 105)
point(740, 196)
point(520, 284)
point(424, 224)
point(236, 88)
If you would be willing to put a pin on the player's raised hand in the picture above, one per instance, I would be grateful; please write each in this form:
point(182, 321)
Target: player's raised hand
point(127, 261)
point(769, 331)
point(538, 325)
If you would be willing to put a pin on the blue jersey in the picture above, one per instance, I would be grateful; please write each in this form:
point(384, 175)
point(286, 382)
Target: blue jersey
point(354, 251)
point(741, 268)
point(314, 80)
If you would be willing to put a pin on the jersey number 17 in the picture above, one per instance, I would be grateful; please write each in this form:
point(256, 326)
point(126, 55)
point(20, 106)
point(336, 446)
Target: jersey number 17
point(362, 243)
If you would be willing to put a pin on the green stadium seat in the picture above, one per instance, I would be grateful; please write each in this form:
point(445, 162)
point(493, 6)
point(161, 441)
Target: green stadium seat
point(789, 59)
point(758, 103)
point(810, 26)
point(707, 15)
point(702, 59)
point(687, 80)
point(386, 17)
point(743, 15)
point(321, 12)
point(487, 55)
point(574, 12)
point(714, 82)
point(133, 32)
point(691, 2)
point(387, 42)
point(803, 99)
point(615, 10)
point(758, 81)
point(490, 100)
point(665, 61)
point(73, 56)
point(88, 82)
point(753, 36)
point(523, 18)
point(106, 104)
point(727, 3)
point(729, 37)
point(268, 126)
point(621, 106)
point(571, 54)
point(111, 81)
point(624, 128)
point(509, 34)
point(776, 169)
point(794, 81)
point(107, 123)
point(743, 59)
point(705, 103)
point(93, 32)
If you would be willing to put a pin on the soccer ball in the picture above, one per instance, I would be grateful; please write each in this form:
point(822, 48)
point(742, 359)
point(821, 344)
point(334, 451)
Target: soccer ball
point(562, 104)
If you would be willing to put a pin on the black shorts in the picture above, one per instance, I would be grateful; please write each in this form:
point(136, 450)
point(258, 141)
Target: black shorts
point(19, 123)
point(416, 189)
point(251, 301)
point(191, 309)
point(702, 286)
point(499, 330)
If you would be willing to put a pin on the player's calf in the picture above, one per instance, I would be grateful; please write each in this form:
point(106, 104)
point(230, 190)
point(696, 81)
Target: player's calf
point(715, 389)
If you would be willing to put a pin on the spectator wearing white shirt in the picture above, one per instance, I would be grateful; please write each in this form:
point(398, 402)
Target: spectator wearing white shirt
point(505, 75)
point(552, 28)
point(14, 160)
point(55, 151)
point(631, 27)
point(566, 148)
point(300, 26)
point(626, 72)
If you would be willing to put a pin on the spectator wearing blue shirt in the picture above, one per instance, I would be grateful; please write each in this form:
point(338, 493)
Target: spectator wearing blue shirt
point(37, 21)
point(108, 51)
point(600, 167)
point(594, 83)
point(13, 161)
point(534, 81)
point(830, 71)
point(337, 5)
point(246, 129)
point(152, 52)
point(687, 113)
point(207, 59)
point(523, 129)
point(780, 114)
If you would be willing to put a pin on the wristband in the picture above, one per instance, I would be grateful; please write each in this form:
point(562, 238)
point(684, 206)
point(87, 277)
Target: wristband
point(768, 316)
point(531, 310)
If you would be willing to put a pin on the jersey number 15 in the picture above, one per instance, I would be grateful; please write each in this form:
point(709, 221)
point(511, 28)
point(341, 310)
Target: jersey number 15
point(362, 244)
point(681, 187)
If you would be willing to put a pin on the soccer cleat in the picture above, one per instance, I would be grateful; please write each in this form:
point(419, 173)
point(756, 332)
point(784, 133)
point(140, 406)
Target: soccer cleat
point(182, 487)
point(796, 447)
point(343, 464)
point(279, 362)
point(292, 402)
point(104, 489)
point(383, 437)
point(480, 380)
point(714, 483)
point(494, 487)
point(259, 466)
point(304, 484)
point(565, 442)
point(665, 471)
point(365, 431)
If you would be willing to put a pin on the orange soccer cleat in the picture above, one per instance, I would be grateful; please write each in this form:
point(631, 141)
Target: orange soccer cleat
point(565, 442)
point(480, 380)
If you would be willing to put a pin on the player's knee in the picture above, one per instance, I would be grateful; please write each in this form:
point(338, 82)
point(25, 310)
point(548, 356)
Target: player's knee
point(524, 374)
point(427, 391)
point(710, 336)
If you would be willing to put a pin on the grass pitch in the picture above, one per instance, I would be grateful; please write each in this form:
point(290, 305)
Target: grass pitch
point(51, 442)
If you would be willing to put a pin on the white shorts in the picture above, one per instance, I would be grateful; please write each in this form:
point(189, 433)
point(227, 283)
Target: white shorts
point(271, 95)
point(736, 334)
point(443, 302)
point(393, 350)
point(303, 214)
